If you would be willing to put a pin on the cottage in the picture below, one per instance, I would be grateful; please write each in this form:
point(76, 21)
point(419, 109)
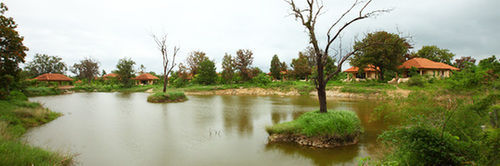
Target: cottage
point(145, 79)
point(427, 67)
point(369, 73)
point(53, 77)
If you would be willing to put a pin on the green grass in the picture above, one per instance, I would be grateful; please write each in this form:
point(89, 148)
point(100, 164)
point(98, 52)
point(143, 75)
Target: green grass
point(41, 91)
point(16, 116)
point(357, 90)
point(161, 97)
point(111, 88)
point(333, 124)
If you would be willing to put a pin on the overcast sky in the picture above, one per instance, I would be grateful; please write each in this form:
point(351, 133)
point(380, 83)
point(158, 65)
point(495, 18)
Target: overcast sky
point(107, 30)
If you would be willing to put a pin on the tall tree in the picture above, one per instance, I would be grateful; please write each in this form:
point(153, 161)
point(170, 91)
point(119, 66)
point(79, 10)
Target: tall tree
point(436, 54)
point(243, 61)
point(228, 68)
point(207, 74)
point(308, 18)
point(103, 72)
point(301, 68)
point(168, 60)
point(125, 71)
point(276, 67)
point(385, 51)
point(194, 60)
point(87, 68)
point(464, 62)
point(43, 63)
point(12, 50)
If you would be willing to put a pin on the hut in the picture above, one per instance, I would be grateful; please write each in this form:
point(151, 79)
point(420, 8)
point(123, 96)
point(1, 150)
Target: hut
point(427, 67)
point(145, 79)
point(109, 76)
point(369, 72)
point(53, 77)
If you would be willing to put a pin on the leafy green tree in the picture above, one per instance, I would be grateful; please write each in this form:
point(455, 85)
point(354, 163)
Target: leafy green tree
point(276, 67)
point(87, 68)
point(125, 71)
point(490, 63)
point(436, 54)
point(385, 51)
point(301, 67)
point(46, 64)
point(228, 68)
point(464, 62)
point(194, 60)
point(243, 62)
point(206, 73)
point(12, 51)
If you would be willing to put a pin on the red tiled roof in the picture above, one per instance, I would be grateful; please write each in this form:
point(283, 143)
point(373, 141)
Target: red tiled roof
point(146, 76)
point(110, 75)
point(422, 63)
point(52, 77)
point(355, 69)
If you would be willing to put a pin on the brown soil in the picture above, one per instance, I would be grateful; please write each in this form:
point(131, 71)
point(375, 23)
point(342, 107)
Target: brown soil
point(317, 141)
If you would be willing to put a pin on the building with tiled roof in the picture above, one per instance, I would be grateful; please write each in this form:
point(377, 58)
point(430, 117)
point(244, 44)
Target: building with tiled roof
point(145, 79)
point(110, 75)
point(427, 67)
point(53, 77)
point(369, 72)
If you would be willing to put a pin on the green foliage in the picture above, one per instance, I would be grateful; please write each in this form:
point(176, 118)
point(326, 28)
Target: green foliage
point(163, 97)
point(41, 91)
point(341, 124)
point(12, 52)
point(86, 69)
point(43, 63)
point(419, 145)
point(207, 74)
point(436, 54)
point(301, 67)
point(194, 61)
point(348, 89)
point(262, 80)
point(276, 67)
point(385, 51)
point(125, 71)
point(18, 153)
point(417, 80)
point(228, 67)
point(243, 62)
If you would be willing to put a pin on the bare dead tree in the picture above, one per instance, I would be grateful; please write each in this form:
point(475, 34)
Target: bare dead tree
point(308, 18)
point(168, 62)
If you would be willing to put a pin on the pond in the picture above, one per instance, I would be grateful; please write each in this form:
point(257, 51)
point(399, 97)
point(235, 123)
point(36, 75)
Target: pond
point(124, 129)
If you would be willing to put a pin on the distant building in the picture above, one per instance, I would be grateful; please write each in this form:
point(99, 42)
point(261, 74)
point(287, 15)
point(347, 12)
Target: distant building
point(109, 76)
point(368, 72)
point(427, 67)
point(145, 79)
point(53, 77)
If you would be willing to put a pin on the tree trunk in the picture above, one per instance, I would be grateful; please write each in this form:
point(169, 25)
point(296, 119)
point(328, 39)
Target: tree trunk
point(321, 84)
point(322, 98)
point(165, 79)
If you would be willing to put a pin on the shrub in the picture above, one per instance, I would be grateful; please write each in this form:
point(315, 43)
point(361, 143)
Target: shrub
point(417, 81)
point(167, 97)
point(41, 91)
point(423, 145)
point(262, 79)
point(333, 123)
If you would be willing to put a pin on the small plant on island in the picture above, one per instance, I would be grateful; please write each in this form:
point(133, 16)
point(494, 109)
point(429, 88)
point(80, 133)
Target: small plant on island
point(323, 130)
point(167, 97)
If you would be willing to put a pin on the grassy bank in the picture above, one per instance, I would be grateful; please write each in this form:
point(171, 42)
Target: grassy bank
point(17, 114)
point(41, 91)
point(167, 97)
point(339, 124)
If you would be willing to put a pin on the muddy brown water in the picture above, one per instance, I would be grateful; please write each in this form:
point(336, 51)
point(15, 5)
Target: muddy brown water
point(124, 129)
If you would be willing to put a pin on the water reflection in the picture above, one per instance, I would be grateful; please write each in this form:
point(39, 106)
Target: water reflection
point(123, 129)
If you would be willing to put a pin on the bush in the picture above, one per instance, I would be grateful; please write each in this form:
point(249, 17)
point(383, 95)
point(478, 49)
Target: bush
point(419, 145)
point(41, 91)
point(333, 123)
point(262, 80)
point(417, 81)
point(167, 97)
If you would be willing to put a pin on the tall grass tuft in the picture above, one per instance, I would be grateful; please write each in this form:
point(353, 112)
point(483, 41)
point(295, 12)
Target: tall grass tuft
point(167, 97)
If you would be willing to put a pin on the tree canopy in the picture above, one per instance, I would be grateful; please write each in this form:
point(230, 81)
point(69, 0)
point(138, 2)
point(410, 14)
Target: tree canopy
point(464, 62)
point(87, 68)
point(276, 67)
point(43, 63)
point(12, 50)
point(206, 73)
point(301, 67)
point(194, 60)
point(125, 71)
point(243, 62)
point(227, 68)
point(385, 51)
point(436, 54)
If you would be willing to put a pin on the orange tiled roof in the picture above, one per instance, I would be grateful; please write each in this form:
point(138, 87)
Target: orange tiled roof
point(422, 63)
point(355, 69)
point(110, 75)
point(52, 77)
point(146, 76)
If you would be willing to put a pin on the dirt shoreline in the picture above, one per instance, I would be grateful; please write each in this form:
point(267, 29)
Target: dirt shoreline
point(273, 92)
point(317, 142)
